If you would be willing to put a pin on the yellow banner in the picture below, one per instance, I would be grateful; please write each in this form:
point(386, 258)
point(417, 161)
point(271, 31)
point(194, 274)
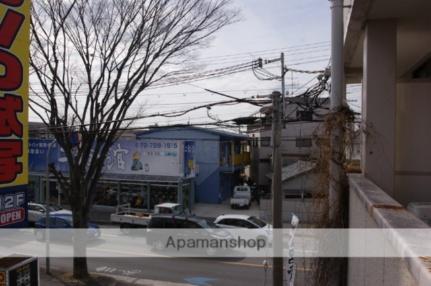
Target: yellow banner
point(14, 85)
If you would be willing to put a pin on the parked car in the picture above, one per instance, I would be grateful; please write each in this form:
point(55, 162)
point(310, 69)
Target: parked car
point(178, 221)
point(128, 217)
point(241, 197)
point(63, 222)
point(38, 211)
point(163, 221)
point(244, 221)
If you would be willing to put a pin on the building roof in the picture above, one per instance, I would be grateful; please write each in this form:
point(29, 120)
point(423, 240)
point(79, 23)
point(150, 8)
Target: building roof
point(218, 132)
point(294, 170)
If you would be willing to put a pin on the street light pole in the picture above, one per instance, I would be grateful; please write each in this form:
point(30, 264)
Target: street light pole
point(47, 224)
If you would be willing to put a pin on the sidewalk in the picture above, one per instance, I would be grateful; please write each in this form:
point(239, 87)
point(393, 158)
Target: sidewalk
point(56, 279)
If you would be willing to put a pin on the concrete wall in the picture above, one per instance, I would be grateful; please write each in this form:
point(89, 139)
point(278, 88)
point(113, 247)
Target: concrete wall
point(371, 207)
point(413, 156)
point(379, 102)
point(261, 155)
point(307, 210)
point(306, 182)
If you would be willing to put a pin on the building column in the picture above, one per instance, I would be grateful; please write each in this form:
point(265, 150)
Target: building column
point(379, 103)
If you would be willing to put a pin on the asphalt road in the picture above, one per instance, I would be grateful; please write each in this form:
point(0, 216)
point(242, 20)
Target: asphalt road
point(194, 271)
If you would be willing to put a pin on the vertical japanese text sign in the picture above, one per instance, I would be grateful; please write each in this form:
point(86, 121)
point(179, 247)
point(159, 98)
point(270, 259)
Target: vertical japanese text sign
point(14, 81)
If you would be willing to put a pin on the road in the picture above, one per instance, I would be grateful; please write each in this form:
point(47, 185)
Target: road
point(195, 271)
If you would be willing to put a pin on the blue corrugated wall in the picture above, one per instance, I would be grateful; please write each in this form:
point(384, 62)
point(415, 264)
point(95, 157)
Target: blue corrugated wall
point(207, 156)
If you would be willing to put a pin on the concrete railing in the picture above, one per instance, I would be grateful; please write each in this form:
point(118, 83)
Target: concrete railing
point(371, 207)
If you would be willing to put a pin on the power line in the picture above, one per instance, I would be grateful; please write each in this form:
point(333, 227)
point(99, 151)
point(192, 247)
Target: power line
point(169, 114)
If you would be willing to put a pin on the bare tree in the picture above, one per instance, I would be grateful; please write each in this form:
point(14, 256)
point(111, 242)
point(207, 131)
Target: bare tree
point(91, 59)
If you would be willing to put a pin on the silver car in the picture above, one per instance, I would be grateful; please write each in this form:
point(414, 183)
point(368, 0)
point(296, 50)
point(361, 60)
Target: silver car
point(38, 211)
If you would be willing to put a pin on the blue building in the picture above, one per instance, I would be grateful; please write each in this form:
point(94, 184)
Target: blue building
point(220, 158)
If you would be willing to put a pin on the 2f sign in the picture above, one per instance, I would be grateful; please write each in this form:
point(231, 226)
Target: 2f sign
point(14, 65)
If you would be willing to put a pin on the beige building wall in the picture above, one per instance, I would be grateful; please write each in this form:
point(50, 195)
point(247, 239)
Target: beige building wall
point(413, 156)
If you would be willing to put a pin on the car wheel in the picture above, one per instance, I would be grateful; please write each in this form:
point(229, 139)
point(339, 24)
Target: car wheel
point(40, 235)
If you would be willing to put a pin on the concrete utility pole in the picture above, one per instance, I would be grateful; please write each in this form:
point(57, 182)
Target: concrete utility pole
point(284, 70)
point(47, 212)
point(337, 101)
point(283, 86)
point(277, 197)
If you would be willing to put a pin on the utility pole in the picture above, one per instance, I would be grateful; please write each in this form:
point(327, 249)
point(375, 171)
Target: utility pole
point(284, 70)
point(277, 198)
point(283, 86)
point(47, 212)
point(337, 95)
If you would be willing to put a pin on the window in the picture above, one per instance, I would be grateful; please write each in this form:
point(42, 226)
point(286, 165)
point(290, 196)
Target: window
point(244, 224)
point(189, 224)
point(304, 115)
point(304, 142)
point(227, 221)
point(257, 221)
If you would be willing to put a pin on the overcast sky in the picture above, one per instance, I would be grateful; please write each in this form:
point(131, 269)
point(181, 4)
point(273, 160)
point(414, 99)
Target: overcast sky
point(301, 29)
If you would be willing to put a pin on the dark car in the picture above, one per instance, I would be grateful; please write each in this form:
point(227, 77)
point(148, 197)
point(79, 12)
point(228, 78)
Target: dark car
point(62, 223)
point(172, 221)
point(158, 223)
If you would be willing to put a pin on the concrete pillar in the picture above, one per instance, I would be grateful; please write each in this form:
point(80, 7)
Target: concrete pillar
point(379, 102)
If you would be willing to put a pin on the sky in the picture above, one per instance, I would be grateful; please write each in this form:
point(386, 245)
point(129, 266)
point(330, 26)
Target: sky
point(266, 28)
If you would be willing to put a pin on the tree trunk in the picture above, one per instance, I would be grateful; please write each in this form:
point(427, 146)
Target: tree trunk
point(80, 224)
point(80, 270)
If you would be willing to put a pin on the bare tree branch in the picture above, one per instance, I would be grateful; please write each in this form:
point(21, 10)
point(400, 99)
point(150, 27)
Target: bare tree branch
point(110, 51)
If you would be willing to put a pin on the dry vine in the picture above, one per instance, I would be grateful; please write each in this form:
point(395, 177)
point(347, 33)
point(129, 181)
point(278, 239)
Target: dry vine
point(333, 271)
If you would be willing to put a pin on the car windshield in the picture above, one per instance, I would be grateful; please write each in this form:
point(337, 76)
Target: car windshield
point(178, 209)
point(257, 221)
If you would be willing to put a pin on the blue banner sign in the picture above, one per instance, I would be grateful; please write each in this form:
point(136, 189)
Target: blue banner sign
point(145, 157)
